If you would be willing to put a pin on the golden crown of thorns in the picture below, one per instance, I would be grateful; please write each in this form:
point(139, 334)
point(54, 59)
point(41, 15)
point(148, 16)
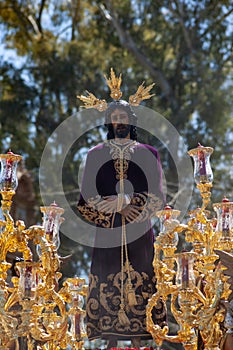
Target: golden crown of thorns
point(114, 83)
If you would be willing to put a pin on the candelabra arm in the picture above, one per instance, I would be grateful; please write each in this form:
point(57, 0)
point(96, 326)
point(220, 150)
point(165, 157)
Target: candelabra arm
point(36, 233)
point(209, 326)
point(205, 191)
point(6, 203)
point(14, 296)
point(8, 324)
point(159, 334)
point(12, 238)
point(8, 224)
point(37, 330)
point(22, 241)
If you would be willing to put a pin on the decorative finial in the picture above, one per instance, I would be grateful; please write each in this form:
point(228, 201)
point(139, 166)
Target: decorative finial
point(141, 94)
point(114, 85)
point(91, 101)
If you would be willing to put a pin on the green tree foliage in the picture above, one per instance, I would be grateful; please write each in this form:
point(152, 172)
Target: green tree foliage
point(54, 50)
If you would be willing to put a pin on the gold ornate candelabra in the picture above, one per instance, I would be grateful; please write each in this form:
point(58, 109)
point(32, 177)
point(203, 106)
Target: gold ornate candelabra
point(35, 312)
point(192, 282)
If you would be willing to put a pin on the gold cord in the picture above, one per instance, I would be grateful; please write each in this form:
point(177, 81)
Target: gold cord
point(131, 295)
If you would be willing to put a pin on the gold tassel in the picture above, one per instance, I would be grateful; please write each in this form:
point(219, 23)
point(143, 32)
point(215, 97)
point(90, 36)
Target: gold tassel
point(122, 317)
point(131, 296)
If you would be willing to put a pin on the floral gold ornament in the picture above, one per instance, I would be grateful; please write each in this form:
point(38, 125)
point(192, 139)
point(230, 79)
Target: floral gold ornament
point(35, 312)
point(141, 94)
point(114, 84)
point(193, 281)
point(90, 101)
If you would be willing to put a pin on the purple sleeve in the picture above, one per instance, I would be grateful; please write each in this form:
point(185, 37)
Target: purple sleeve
point(89, 197)
point(152, 199)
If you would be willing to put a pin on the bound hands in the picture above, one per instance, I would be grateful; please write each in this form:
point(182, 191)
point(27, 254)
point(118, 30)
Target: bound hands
point(130, 212)
point(110, 204)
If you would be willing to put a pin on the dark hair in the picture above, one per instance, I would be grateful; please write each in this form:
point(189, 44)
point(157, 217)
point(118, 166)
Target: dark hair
point(124, 105)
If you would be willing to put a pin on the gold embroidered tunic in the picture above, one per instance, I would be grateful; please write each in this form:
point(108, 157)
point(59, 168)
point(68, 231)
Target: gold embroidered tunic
point(136, 168)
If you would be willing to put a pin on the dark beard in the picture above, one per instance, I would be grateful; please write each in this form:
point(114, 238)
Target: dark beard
point(122, 130)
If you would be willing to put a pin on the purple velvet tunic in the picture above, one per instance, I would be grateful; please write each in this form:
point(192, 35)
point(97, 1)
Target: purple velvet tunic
point(143, 186)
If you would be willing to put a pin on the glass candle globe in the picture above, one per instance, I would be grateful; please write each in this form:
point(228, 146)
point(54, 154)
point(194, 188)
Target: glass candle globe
point(8, 176)
point(185, 277)
point(51, 222)
point(28, 279)
point(202, 168)
point(224, 218)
